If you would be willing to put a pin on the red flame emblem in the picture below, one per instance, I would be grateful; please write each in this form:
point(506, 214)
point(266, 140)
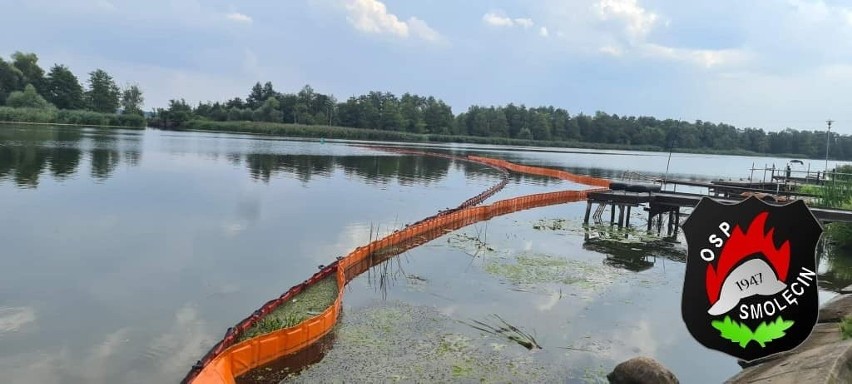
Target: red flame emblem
point(739, 246)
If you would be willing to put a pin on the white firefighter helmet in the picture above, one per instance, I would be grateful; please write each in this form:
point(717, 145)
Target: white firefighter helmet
point(755, 276)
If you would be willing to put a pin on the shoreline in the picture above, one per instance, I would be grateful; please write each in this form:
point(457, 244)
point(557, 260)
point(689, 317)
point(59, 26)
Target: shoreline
point(359, 134)
point(320, 132)
point(69, 125)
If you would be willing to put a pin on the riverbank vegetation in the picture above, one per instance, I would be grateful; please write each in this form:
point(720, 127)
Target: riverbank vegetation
point(835, 192)
point(411, 117)
point(27, 95)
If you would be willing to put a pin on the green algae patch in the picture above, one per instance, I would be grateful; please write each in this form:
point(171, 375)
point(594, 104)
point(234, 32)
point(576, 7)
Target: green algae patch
point(531, 270)
point(551, 224)
point(397, 342)
point(310, 302)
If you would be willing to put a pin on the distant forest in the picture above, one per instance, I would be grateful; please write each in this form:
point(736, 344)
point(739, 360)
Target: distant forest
point(427, 118)
point(29, 94)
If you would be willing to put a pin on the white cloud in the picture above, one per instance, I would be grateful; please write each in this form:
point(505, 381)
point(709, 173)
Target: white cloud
point(524, 22)
point(420, 28)
point(498, 18)
point(622, 29)
point(372, 16)
point(543, 32)
point(239, 17)
point(704, 57)
point(639, 21)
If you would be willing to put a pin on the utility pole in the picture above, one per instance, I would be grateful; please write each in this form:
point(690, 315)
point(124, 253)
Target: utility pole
point(827, 142)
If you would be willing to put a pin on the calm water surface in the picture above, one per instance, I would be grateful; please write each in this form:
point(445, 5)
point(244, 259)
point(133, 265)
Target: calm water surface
point(126, 254)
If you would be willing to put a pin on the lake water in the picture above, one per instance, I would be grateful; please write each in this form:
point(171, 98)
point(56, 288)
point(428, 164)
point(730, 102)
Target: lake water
point(126, 254)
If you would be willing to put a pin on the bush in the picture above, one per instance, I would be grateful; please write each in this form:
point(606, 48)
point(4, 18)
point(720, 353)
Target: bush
point(73, 117)
point(29, 98)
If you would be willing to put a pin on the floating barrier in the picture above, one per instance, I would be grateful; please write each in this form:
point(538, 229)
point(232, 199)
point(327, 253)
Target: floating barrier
point(231, 358)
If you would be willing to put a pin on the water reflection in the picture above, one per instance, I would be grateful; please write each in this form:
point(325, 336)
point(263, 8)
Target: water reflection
point(835, 267)
point(407, 170)
point(25, 154)
point(631, 249)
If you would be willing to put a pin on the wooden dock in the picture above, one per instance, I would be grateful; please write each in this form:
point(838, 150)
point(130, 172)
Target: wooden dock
point(666, 203)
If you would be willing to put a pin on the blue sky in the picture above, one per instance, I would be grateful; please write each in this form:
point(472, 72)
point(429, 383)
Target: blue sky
point(766, 64)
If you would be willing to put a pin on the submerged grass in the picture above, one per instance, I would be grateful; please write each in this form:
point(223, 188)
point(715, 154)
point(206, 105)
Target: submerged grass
point(310, 302)
point(398, 342)
point(531, 269)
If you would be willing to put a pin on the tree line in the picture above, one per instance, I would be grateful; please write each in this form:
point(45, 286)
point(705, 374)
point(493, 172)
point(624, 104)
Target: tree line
point(25, 85)
point(426, 115)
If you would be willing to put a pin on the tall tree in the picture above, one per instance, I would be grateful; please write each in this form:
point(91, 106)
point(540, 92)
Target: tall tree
point(11, 79)
point(27, 63)
point(132, 100)
point(255, 97)
point(63, 89)
point(103, 95)
point(269, 111)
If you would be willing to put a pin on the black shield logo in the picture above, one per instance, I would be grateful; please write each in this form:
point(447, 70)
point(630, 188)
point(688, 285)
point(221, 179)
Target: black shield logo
point(751, 280)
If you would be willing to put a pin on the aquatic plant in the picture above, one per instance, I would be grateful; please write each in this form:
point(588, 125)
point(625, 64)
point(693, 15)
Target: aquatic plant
point(399, 342)
point(311, 302)
point(508, 331)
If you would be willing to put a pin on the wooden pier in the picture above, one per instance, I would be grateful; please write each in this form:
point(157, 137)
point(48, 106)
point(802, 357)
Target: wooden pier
point(665, 206)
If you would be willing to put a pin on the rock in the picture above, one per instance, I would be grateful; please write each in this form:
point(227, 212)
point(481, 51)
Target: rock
point(835, 309)
point(641, 370)
point(822, 359)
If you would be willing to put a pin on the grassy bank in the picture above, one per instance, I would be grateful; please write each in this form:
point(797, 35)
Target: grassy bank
point(331, 132)
point(69, 117)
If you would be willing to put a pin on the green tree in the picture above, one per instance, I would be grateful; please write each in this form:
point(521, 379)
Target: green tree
point(269, 111)
point(103, 95)
point(540, 126)
point(132, 100)
point(11, 79)
point(27, 63)
point(255, 97)
point(179, 111)
point(63, 89)
point(29, 98)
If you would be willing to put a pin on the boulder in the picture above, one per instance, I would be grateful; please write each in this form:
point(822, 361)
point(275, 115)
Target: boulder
point(836, 309)
point(641, 370)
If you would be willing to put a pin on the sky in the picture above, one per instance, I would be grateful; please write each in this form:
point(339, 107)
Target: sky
point(761, 63)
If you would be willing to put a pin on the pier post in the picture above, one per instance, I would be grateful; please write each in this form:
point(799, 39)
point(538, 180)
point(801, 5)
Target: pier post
point(627, 220)
point(620, 215)
point(588, 210)
point(612, 214)
point(650, 216)
point(677, 221)
point(670, 228)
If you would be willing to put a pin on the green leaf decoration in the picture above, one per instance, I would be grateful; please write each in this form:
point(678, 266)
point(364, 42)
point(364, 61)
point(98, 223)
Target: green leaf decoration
point(742, 334)
point(767, 332)
point(733, 331)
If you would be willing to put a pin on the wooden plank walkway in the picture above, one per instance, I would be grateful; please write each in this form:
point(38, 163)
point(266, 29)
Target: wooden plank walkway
point(678, 199)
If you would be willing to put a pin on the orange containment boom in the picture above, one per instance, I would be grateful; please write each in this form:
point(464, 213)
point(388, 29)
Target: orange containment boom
point(230, 359)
